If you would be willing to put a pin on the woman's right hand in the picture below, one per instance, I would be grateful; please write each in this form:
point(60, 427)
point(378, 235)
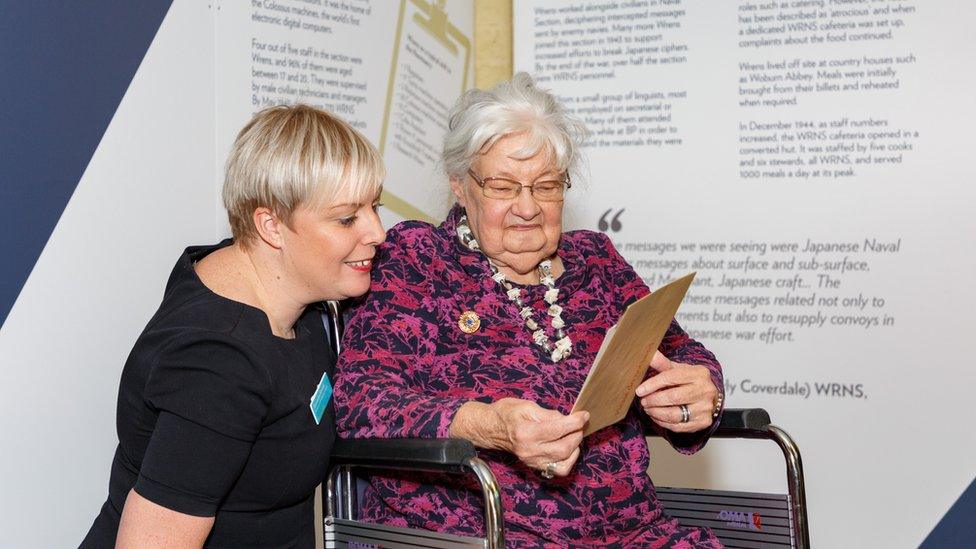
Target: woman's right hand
point(536, 435)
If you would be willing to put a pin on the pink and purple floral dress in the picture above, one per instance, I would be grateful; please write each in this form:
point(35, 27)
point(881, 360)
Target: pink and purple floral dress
point(407, 367)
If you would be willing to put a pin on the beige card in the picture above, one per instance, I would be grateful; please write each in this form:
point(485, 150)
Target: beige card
point(625, 354)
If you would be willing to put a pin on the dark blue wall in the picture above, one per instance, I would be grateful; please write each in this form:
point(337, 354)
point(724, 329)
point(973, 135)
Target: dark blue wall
point(64, 67)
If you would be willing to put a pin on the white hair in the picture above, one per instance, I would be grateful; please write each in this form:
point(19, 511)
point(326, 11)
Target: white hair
point(517, 106)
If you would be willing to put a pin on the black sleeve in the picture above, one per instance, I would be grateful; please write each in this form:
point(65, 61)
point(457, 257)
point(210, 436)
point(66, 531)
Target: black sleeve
point(212, 400)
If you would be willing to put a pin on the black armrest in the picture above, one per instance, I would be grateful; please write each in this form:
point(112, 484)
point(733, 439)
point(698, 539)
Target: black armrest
point(736, 421)
point(435, 454)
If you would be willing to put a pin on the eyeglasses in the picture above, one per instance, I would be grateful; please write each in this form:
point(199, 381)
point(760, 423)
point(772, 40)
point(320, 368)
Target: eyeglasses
point(501, 188)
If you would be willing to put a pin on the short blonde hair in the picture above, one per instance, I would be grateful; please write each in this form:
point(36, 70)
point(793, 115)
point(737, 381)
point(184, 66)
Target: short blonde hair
point(290, 155)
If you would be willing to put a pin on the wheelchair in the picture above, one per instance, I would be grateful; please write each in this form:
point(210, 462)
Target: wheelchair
point(731, 515)
point(739, 519)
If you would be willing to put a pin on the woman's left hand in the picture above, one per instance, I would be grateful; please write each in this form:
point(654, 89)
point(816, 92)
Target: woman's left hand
point(677, 384)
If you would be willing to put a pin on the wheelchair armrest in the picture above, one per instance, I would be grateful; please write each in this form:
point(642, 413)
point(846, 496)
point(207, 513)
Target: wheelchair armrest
point(737, 422)
point(442, 455)
point(436, 454)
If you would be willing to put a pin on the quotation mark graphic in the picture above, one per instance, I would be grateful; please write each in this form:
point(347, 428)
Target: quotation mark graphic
point(614, 224)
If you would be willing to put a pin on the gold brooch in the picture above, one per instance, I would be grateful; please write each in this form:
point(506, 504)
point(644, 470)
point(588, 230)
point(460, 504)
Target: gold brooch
point(469, 322)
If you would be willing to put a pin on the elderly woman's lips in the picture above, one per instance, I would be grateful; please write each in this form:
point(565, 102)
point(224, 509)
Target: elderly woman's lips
point(523, 227)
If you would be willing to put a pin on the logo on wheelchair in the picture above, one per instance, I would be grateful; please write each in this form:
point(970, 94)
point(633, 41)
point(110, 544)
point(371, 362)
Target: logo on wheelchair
point(740, 519)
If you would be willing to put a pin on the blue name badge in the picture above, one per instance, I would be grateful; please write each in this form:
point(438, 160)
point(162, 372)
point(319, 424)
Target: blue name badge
point(321, 397)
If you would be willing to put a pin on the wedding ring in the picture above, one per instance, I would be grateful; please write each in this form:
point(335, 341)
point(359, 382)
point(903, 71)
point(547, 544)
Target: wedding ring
point(549, 471)
point(685, 413)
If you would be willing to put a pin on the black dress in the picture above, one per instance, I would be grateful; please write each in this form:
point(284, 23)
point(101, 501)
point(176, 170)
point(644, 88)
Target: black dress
point(214, 418)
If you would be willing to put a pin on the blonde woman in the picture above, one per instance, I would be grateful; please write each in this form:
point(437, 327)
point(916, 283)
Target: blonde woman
point(224, 416)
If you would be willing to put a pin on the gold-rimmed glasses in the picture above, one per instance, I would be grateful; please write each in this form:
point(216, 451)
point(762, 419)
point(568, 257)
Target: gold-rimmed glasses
point(502, 188)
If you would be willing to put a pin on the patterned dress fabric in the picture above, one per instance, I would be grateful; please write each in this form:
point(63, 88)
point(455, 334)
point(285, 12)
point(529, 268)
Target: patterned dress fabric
point(407, 367)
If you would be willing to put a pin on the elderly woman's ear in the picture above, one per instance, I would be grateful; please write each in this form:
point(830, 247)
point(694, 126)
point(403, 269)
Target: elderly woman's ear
point(457, 187)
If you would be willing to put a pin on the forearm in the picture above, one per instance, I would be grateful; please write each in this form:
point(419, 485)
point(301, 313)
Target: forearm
point(481, 424)
point(678, 346)
point(147, 524)
point(378, 395)
point(396, 412)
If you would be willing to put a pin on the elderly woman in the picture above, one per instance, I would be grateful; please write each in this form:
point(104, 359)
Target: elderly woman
point(485, 327)
point(224, 421)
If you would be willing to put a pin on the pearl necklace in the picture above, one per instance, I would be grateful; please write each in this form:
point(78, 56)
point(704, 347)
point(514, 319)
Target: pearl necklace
point(563, 346)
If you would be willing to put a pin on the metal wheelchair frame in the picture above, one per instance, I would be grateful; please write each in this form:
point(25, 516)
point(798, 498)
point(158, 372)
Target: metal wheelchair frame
point(754, 423)
point(460, 456)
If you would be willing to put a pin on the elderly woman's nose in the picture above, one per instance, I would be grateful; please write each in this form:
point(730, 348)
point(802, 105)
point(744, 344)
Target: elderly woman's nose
point(525, 205)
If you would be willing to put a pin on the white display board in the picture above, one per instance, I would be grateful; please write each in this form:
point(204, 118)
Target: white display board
point(812, 161)
point(392, 69)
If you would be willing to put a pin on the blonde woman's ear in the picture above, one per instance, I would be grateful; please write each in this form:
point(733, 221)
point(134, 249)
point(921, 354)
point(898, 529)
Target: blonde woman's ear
point(268, 226)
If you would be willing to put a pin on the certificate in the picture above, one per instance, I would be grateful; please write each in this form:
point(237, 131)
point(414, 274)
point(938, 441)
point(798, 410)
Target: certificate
point(626, 352)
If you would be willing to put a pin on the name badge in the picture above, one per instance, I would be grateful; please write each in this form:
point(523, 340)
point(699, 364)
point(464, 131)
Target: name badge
point(321, 397)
